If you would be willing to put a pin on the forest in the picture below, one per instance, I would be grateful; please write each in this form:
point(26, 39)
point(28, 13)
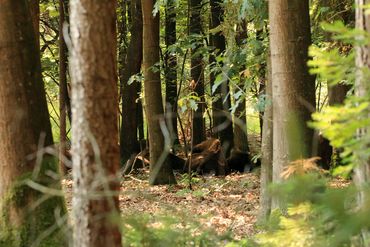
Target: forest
point(155, 123)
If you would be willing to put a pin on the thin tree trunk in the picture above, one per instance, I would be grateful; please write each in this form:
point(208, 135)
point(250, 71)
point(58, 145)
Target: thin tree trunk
point(197, 71)
point(222, 120)
point(24, 132)
point(266, 150)
point(94, 124)
point(160, 169)
point(62, 90)
point(131, 106)
point(171, 71)
point(293, 86)
point(362, 89)
point(240, 125)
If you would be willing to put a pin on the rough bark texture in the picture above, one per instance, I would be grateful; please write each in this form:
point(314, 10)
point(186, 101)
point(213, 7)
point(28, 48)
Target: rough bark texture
point(171, 72)
point(160, 169)
point(362, 88)
point(131, 107)
point(267, 151)
point(34, 6)
point(62, 90)
point(293, 87)
point(24, 129)
point(240, 118)
point(222, 119)
point(94, 125)
point(197, 70)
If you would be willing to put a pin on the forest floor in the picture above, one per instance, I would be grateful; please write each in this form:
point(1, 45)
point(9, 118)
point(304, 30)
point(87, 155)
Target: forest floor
point(226, 205)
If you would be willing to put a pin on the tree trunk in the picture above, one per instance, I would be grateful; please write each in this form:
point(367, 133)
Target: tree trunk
point(131, 107)
point(197, 70)
point(94, 124)
point(222, 120)
point(267, 149)
point(160, 170)
point(293, 86)
point(34, 6)
point(24, 131)
point(62, 90)
point(171, 72)
point(362, 89)
point(240, 117)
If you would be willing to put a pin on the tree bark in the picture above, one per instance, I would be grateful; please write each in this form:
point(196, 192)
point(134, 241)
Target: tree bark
point(24, 133)
point(267, 149)
point(94, 124)
point(222, 120)
point(131, 107)
point(362, 89)
point(160, 169)
point(171, 72)
point(197, 70)
point(293, 86)
point(240, 117)
point(62, 90)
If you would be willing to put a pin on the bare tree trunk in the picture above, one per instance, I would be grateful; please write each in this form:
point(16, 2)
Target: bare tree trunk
point(24, 133)
point(362, 89)
point(34, 6)
point(240, 117)
point(171, 71)
point(131, 107)
point(267, 149)
point(62, 90)
point(160, 170)
point(222, 120)
point(197, 71)
point(293, 86)
point(94, 124)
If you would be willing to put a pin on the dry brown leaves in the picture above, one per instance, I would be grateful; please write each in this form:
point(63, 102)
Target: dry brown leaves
point(224, 204)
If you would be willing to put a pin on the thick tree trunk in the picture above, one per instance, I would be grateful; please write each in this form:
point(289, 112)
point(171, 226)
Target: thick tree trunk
point(160, 170)
point(24, 129)
point(266, 150)
point(34, 6)
point(197, 71)
point(131, 107)
point(240, 117)
point(293, 86)
point(222, 119)
point(362, 89)
point(171, 72)
point(94, 124)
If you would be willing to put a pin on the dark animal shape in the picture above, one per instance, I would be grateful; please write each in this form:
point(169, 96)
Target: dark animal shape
point(207, 157)
point(239, 162)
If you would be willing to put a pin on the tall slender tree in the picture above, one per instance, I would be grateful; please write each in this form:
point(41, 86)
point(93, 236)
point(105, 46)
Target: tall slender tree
point(362, 88)
point(222, 120)
point(131, 106)
point(24, 132)
point(171, 70)
point(240, 124)
point(197, 69)
point(293, 86)
point(63, 90)
point(160, 169)
point(94, 124)
point(266, 149)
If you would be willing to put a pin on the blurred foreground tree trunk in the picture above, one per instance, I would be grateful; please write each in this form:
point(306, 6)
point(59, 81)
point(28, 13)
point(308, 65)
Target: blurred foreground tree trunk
point(160, 169)
point(24, 133)
point(293, 86)
point(94, 124)
point(362, 89)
